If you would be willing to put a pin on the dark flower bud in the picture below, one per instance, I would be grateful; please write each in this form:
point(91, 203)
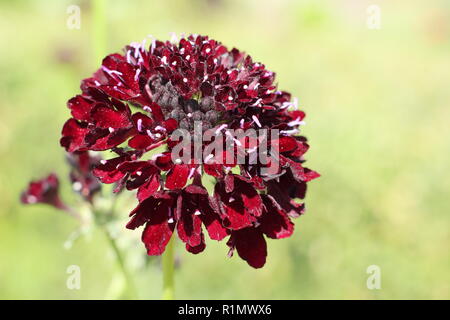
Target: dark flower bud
point(45, 190)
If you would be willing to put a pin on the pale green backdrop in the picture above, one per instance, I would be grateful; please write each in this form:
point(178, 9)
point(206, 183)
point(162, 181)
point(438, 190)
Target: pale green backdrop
point(377, 104)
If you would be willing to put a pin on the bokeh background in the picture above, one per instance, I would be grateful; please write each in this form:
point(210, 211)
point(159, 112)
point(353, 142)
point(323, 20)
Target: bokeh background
point(377, 104)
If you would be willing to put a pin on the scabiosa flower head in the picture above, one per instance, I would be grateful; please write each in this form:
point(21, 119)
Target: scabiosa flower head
point(158, 96)
point(45, 190)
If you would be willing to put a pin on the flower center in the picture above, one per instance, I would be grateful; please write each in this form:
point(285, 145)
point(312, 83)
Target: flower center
point(185, 111)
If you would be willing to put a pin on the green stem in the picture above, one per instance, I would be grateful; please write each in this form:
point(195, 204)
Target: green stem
point(121, 263)
point(99, 29)
point(168, 271)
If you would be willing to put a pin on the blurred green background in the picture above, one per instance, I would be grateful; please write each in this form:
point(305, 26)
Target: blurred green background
point(377, 104)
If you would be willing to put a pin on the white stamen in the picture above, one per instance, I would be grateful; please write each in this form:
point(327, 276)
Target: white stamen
point(139, 173)
point(245, 86)
point(77, 186)
point(220, 128)
point(285, 105)
point(147, 108)
point(256, 120)
point(197, 213)
point(257, 102)
point(150, 134)
point(111, 129)
point(205, 78)
point(31, 199)
point(139, 125)
point(208, 50)
point(188, 57)
point(231, 200)
point(164, 60)
point(296, 122)
point(174, 63)
point(289, 132)
point(103, 161)
point(242, 123)
point(191, 173)
point(228, 133)
point(178, 161)
point(111, 72)
point(160, 128)
point(170, 220)
point(128, 56)
point(252, 149)
point(185, 80)
point(156, 156)
point(152, 47)
point(182, 50)
point(97, 83)
point(208, 157)
point(136, 76)
point(230, 98)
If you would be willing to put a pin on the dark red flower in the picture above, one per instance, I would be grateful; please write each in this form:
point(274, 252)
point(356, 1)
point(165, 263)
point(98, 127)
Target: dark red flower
point(250, 243)
point(137, 102)
point(83, 181)
point(45, 190)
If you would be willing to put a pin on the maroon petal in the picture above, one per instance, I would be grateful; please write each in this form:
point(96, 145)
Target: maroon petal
point(215, 170)
point(106, 117)
point(105, 139)
point(177, 177)
point(164, 161)
point(189, 229)
point(250, 245)
point(140, 142)
point(250, 197)
point(73, 135)
point(107, 170)
point(212, 222)
point(157, 235)
point(80, 107)
point(274, 222)
point(148, 189)
point(284, 144)
point(236, 215)
point(199, 248)
point(310, 174)
point(158, 205)
point(296, 169)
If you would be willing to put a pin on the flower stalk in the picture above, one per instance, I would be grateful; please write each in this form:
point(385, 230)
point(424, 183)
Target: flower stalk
point(168, 264)
point(131, 290)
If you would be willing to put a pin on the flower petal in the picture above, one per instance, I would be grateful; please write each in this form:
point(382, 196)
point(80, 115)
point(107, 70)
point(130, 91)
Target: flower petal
point(177, 177)
point(199, 248)
point(73, 135)
point(250, 245)
point(149, 188)
point(274, 222)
